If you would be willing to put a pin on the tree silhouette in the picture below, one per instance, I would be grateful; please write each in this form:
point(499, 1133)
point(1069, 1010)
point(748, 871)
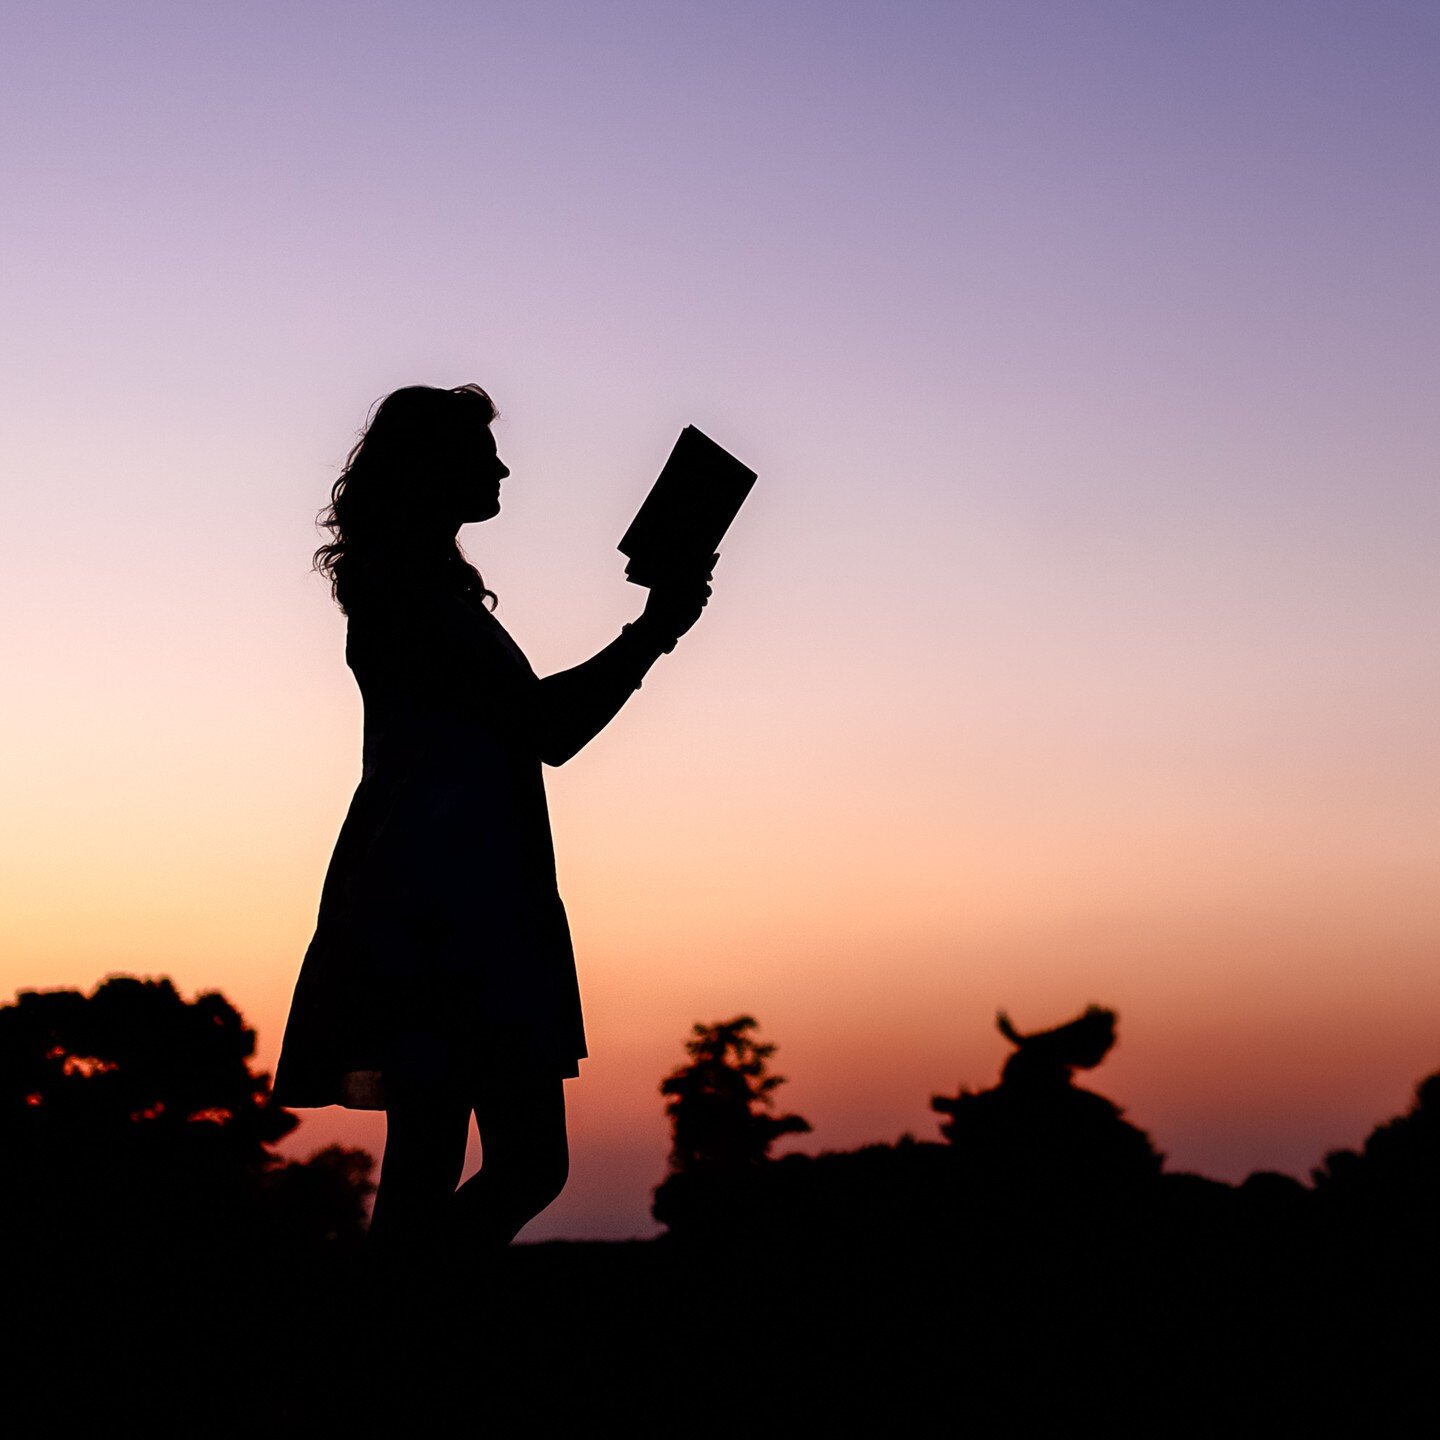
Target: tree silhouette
point(322, 1198)
point(721, 1123)
point(719, 1103)
point(1398, 1168)
point(134, 1111)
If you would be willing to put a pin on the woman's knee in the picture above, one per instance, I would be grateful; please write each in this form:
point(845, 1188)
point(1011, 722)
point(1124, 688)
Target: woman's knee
point(530, 1176)
point(424, 1147)
point(525, 1148)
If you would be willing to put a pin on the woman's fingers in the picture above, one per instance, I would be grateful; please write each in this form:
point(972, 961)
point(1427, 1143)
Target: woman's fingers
point(676, 605)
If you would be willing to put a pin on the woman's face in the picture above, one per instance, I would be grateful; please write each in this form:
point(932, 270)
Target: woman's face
point(470, 482)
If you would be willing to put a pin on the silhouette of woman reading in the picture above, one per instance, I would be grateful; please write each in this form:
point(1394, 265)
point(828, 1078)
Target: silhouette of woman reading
point(441, 979)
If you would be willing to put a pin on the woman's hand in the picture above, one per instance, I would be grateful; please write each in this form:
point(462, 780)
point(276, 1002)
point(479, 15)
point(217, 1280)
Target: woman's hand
point(674, 606)
point(577, 704)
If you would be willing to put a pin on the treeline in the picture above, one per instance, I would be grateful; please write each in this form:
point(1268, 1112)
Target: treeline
point(1037, 1270)
point(1034, 1270)
point(1035, 1149)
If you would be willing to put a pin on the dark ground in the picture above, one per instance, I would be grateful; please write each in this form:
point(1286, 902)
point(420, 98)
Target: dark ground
point(1121, 1331)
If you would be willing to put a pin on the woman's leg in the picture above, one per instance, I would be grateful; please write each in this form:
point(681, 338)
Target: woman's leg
point(427, 1122)
point(526, 1159)
point(411, 1232)
point(424, 1155)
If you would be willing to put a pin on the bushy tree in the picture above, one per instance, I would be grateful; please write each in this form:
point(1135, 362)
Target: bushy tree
point(134, 1111)
point(324, 1197)
point(1398, 1168)
point(720, 1107)
point(133, 1052)
point(719, 1104)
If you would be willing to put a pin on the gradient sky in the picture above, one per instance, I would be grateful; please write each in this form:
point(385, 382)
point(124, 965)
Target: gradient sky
point(1079, 639)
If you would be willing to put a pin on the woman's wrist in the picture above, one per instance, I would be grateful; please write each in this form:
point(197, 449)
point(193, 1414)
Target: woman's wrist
point(651, 636)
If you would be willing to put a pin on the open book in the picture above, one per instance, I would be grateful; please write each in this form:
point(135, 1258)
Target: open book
point(676, 530)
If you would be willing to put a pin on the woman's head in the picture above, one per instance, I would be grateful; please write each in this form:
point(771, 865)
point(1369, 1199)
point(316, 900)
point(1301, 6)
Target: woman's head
point(424, 466)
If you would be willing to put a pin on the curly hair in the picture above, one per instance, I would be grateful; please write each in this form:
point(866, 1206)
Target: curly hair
point(371, 513)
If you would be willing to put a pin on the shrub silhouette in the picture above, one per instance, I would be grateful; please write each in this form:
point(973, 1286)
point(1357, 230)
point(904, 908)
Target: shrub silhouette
point(1395, 1177)
point(1050, 1058)
point(322, 1198)
point(1036, 1131)
point(133, 1112)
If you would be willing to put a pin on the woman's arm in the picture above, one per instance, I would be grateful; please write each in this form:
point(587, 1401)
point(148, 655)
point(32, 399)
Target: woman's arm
point(577, 704)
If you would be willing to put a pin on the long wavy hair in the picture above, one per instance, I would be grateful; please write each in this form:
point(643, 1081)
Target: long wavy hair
point(373, 517)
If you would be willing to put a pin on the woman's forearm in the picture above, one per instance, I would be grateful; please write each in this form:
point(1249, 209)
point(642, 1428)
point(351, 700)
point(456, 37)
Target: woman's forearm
point(577, 704)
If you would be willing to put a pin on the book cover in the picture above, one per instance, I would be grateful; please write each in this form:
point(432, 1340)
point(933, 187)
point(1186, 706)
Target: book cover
point(688, 510)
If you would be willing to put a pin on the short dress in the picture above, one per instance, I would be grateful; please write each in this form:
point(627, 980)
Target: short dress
point(440, 916)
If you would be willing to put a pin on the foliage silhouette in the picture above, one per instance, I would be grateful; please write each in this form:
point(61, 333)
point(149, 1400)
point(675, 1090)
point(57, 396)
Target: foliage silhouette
point(900, 1288)
point(1033, 1150)
point(719, 1106)
point(1051, 1057)
point(1037, 1130)
point(1378, 1208)
point(323, 1197)
point(133, 1114)
point(1399, 1164)
point(1042, 1253)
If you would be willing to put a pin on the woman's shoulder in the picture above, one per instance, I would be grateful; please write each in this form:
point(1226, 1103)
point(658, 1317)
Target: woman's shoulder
point(391, 599)
point(398, 619)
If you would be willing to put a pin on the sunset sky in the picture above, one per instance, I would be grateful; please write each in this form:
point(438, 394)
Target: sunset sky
point(1079, 639)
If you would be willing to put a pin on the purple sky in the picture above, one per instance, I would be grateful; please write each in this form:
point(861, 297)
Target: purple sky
point(1079, 641)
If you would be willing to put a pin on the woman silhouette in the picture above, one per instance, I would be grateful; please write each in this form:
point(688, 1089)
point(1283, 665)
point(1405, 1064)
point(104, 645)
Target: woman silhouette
point(441, 980)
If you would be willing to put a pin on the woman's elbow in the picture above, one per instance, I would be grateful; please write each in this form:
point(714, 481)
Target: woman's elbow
point(555, 751)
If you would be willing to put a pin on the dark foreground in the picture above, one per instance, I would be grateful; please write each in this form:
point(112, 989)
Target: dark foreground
point(1039, 1273)
point(1144, 1328)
